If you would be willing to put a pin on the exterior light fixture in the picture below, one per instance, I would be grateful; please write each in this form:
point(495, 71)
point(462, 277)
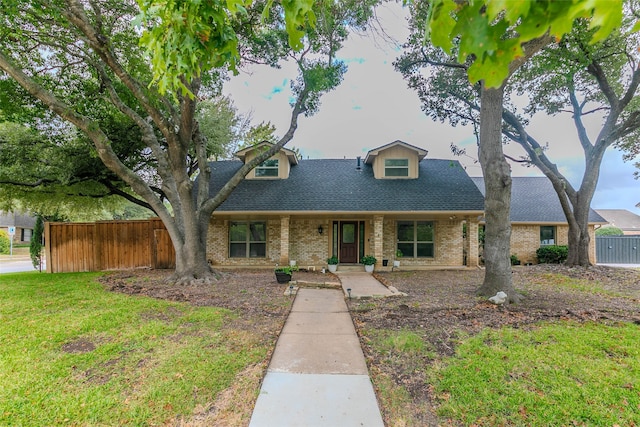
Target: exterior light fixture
point(320, 229)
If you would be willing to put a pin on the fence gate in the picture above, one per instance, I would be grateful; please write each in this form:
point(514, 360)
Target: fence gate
point(618, 249)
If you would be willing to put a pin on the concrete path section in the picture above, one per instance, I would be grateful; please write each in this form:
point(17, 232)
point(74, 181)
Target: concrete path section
point(317, 375)
point(364, 285)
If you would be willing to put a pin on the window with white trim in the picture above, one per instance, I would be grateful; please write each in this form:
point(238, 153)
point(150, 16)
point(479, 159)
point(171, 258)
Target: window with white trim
point(416, 239)
point(267, 169)
point(396, 167)
point(248, 239)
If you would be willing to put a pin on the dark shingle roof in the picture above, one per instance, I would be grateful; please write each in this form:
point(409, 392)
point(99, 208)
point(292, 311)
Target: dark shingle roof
point(533, 199)
point(336, 185)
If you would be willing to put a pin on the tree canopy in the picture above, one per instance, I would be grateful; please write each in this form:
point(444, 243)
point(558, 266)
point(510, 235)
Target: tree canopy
point(490, 34)
point(84, 62)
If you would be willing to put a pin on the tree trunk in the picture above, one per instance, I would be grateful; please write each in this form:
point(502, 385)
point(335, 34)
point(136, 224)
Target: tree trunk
point(497, 205)
point(579, 238)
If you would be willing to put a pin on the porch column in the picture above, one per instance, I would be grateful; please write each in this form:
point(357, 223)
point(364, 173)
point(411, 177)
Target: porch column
point(472, 242)
point(378, 239)
point(284, 240)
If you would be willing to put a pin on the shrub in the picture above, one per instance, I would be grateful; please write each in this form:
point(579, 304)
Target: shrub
point(515, 260)
point(35, 247)
point(5, 244)
point(554, 254)
point(609, 231)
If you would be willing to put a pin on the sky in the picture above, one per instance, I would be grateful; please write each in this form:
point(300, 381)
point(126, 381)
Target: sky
point(373, 106)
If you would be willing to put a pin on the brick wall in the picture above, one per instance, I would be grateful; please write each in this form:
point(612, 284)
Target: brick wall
point(525, 240)
point(448, 249)
point(307, 246)
point(310, 248)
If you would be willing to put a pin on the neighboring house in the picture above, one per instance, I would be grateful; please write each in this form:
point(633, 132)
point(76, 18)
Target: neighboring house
point(308, 210)
point(23, 223)
point(625, 220)
point(537, 218)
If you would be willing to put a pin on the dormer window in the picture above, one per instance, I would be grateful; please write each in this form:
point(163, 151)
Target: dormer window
point(397, 160)
point(396, 167)
point(268, 168)
point(277, 167)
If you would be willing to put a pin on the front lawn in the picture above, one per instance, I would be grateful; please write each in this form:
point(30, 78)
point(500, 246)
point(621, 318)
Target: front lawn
point(568, 355)
point(72, 353)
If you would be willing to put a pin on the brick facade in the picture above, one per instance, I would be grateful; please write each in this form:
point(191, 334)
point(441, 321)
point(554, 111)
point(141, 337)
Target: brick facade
point(298, 238)
point(525, 240)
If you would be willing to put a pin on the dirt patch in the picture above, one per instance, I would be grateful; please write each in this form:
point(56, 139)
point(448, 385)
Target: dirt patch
point(442, 307)
point(78, 346)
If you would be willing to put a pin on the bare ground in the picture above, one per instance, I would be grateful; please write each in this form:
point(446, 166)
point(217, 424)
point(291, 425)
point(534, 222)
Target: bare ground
point(441, 306)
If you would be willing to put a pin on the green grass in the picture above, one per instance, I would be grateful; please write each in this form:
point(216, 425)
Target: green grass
point(558, 374)
point(153, 362)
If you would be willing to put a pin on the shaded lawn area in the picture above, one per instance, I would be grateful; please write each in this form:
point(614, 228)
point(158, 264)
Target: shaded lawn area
point(569, 354)
point(73, 353)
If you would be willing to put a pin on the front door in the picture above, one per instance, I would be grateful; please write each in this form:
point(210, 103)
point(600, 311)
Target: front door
point(349, 242)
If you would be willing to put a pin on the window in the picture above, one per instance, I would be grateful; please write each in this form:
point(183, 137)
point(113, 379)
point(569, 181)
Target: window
point(26, 235)
point(396, 167)
point(415, 239)
point(248, 240)
point(547, 235)
point(268, 168)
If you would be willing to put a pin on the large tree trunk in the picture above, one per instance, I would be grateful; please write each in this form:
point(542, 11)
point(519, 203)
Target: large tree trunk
point(579, 238)
point(497, 205)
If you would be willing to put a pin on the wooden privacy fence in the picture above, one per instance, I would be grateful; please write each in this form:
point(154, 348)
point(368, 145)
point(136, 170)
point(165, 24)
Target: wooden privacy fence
point(107, 245)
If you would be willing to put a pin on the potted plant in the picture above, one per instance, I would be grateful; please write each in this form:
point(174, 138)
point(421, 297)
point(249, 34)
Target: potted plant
point(333, 263)
point(284, 273)
point(396, 263)
point(369, 261)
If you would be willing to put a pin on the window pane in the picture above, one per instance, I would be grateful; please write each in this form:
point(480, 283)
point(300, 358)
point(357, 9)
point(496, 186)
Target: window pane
point(406, 248)
point(547, 235)
point(237, 250)
point(396, 162)
point(266, 172)
point(258, 232)
point(396, 167)
point(425, 232)
point(267, 168)
point(238, 232)
point(348, 233)
point(396, 172)
point(405, 231)
point(425, 250)
point(257, 250)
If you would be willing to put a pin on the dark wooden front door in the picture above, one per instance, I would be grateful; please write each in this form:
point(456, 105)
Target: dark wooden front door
point(348, 242)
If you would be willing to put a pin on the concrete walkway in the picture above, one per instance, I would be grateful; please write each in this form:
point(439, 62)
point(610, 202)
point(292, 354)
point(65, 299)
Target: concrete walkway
point(364, 285)
point(318, 375)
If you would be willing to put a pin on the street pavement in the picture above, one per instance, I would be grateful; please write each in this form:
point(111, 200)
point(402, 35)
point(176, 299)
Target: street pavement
point(16, 264)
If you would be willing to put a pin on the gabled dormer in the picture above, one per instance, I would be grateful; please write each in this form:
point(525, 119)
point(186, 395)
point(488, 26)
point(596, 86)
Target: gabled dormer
point(275, 167)
point(397, 160)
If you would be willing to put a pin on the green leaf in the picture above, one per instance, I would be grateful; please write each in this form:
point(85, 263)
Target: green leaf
point(606, 17)
point(441, 24)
